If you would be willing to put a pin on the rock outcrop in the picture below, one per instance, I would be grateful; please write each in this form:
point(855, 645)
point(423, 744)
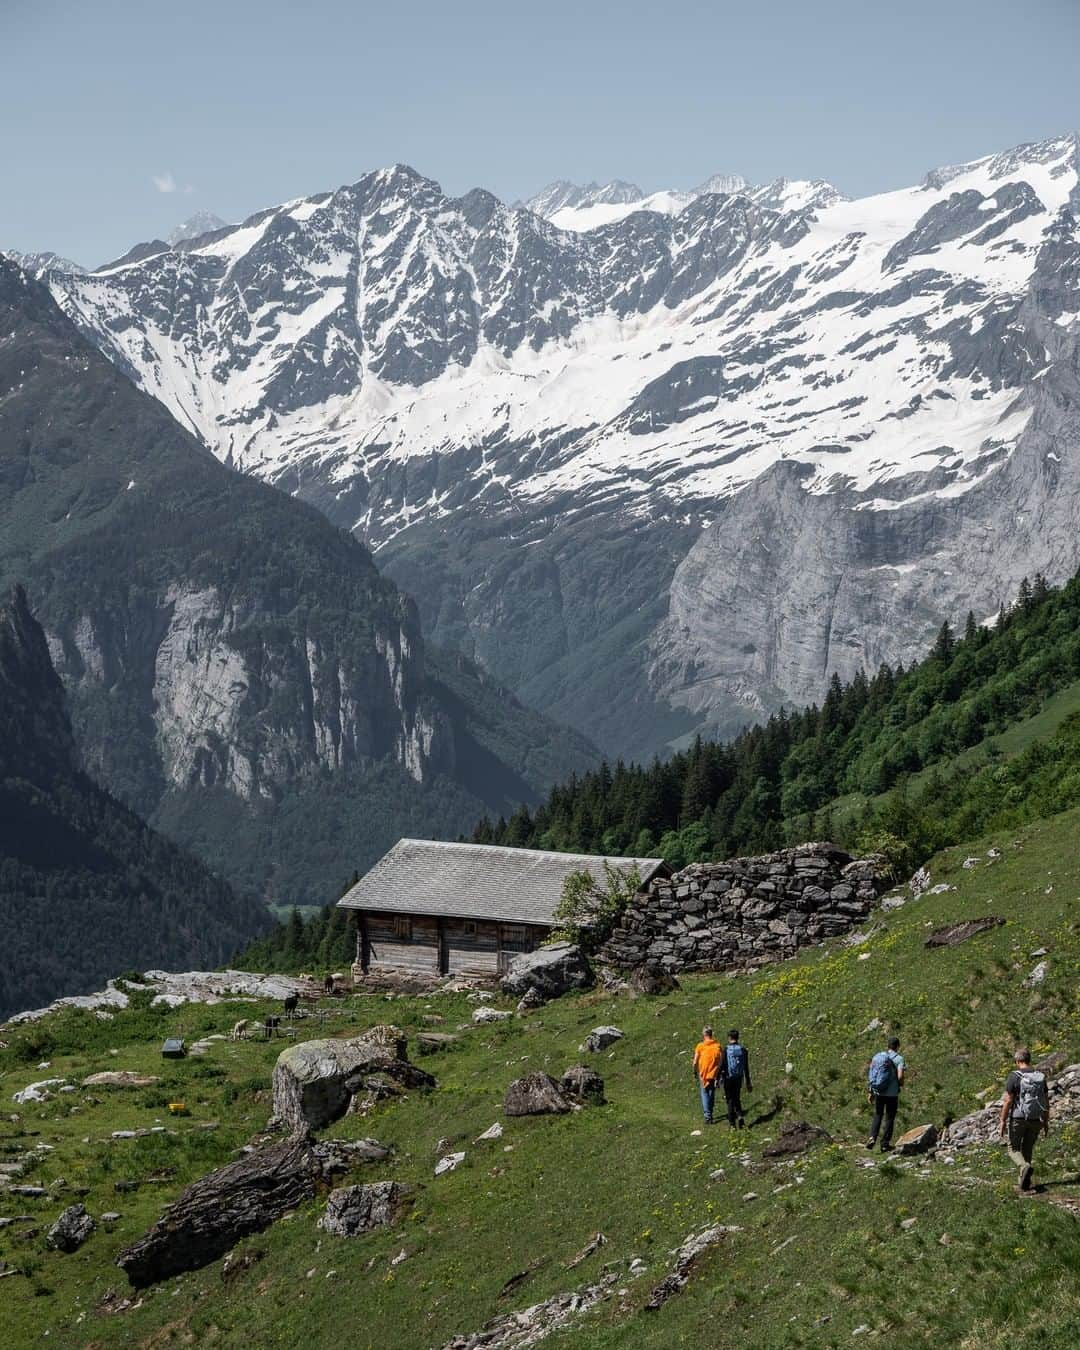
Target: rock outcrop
point(981, 1127)
point(955, 933)
point(315, 1082)
point(551, 971)
point(599, 1039)
point(582, 1085)
point(745, 912)
point(537, 1094)
point(215, 1212)
point(70, 1230)
point(352, 1211)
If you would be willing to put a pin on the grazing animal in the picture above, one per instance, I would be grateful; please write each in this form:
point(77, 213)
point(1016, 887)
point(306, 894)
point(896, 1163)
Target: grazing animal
point(291, 1003)
point(240, 1029)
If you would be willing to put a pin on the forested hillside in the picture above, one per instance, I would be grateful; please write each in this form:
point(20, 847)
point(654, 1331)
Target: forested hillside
point(87, 889)
point(905, 757)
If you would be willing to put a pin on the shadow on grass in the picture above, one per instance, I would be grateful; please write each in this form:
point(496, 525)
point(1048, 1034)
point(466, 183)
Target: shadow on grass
point(765, 1116)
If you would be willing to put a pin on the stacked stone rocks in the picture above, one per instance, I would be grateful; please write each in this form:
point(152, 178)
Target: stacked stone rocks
point(747, 911)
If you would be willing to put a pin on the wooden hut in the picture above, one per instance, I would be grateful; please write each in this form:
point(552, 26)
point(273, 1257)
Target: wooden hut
point(465, 909)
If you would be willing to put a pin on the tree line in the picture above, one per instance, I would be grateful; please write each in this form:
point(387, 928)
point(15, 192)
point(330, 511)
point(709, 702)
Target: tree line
point(787, 779)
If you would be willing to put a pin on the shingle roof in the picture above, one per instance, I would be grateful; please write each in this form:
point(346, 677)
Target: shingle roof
point(477, 881)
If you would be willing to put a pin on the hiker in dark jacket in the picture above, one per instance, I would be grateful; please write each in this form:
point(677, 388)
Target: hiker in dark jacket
point(886, 1077)
point(735, 1069)
point(1025, 1112)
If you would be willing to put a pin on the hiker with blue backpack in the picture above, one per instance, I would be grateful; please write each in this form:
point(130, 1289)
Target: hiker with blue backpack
point(1025, 1112)
point(885, 1078)
point(735, 1071)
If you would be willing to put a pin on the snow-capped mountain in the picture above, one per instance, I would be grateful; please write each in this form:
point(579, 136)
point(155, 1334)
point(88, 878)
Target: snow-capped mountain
point(667, 470)
point(585, 208)
point(38, 264)
point(202, 222)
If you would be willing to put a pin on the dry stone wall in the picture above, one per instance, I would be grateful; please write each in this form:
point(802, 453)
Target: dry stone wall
point(746, 911)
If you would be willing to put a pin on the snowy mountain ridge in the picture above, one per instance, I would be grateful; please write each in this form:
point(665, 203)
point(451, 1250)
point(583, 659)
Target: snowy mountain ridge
point(405, 359)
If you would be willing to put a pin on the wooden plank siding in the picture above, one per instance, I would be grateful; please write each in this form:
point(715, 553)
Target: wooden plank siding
point(402, 942)
point(449, 946)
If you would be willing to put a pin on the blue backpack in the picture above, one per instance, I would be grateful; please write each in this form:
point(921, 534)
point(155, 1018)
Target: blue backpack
point(882, 1072)
point(735, 1061)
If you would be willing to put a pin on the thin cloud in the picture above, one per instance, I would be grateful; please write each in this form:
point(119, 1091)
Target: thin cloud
point(164, 182)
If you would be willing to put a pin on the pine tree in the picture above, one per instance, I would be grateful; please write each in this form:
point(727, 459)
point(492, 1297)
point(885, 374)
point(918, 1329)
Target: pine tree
point(943, 647)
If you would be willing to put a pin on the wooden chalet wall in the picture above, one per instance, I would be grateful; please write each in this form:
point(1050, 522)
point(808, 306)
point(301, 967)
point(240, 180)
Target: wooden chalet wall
point(449, 946)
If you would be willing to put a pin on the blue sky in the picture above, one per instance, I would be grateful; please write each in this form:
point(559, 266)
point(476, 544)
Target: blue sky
point(119, 118)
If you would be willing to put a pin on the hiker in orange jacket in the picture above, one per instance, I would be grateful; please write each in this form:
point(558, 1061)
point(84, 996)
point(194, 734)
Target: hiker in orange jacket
point(707, 1055)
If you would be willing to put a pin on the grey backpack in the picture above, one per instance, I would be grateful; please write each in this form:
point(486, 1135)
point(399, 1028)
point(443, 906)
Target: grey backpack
point(1032, 1098)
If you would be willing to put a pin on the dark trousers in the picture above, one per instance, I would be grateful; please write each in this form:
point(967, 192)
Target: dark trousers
point(884, 1108)
point(733, 1097)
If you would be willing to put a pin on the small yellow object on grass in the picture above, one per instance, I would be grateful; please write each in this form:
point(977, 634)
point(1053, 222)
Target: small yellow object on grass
point(177, 1109)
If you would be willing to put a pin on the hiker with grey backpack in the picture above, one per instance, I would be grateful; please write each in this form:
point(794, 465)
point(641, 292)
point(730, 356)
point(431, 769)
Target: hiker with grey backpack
point(885, 1077)
point(1025, 1113)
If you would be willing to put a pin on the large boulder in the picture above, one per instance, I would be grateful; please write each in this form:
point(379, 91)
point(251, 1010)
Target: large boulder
point(552, 971)
point(921, 1139)
point(315, 1082)
point(583, 1085)
point(352, 1211)
point(537, 1094)
point(599, 1039)
point(70, 1230)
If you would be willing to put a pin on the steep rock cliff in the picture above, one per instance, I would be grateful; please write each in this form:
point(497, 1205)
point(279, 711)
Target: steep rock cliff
point(236, 666)
point(86, 888)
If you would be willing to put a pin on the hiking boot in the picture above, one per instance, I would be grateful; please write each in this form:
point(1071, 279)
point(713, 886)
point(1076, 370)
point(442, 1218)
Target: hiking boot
point(1025, 1178)
point(886, 1148)
point(871, 1143)
point(742, 1122)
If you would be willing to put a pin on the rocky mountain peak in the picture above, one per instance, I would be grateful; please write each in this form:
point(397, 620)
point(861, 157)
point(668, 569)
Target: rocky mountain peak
point(202, 222)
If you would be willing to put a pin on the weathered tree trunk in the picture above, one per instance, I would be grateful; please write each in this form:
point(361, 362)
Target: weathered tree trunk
point(215, 1212)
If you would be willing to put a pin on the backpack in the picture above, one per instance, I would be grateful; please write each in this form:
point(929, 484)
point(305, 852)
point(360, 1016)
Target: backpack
point(1032, 1100)
point(882, 1074)
point(735, 1061)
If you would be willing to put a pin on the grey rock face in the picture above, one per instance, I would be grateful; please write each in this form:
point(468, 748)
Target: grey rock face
point(552, 971)
point(70, 1230)
point(600, 1038)
point(352, 1211)
point(537, 1094)
point(314, 1082)
point(583, 1085)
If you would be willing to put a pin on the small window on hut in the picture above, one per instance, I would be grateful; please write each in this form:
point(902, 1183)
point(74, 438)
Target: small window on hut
point(470, 928)
point(402, 928)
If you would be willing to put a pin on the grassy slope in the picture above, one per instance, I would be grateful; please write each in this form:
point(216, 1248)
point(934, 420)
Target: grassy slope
point(978, 1254)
